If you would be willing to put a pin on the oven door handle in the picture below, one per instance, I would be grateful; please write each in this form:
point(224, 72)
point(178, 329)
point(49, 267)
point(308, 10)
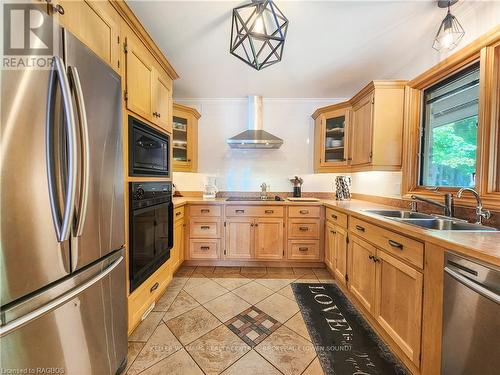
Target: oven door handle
point(140, 211)
point(170, 225)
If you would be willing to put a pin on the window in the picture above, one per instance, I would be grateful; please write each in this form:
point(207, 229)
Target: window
point(449, 131)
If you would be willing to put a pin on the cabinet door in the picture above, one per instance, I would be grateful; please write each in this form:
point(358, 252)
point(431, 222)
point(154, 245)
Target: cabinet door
point(162, 97)
point(139, 79)
point(268, 238)
point(362, 131)
point(362, 272)
point(340, 255)
point(239, 238)
point(178, 248)
point(330, 239)
point(398, 307)
point(96, 24)
point(185, 141)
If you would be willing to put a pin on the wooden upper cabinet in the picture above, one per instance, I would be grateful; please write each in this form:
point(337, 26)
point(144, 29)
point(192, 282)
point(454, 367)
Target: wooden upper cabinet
point(148, 89)
point(95, 23)
point(139, 76)
point(331, 138)
point(269, 238)
point(364, 133)
point(398, 306)
point(162, 101)
point(239, 238)
point(362, 120)
point(362, 272)
point(185, 138)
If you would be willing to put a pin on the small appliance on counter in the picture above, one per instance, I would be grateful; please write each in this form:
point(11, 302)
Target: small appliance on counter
point(297, 186)
point(342, 188)
point(210, 189)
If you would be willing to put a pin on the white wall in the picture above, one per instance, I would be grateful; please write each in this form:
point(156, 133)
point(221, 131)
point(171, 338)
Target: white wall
point(245, 170)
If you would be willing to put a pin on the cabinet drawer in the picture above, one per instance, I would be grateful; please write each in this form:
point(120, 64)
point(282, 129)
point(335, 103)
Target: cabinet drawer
point(303, 250)
point(262, 211)
point(400, 246)
point(178, 213)
point(204, 249)
point(204, 228)
point(303, 228)
point(151, 290)
point(303, 211)
point(336, 217)
point(205, 210)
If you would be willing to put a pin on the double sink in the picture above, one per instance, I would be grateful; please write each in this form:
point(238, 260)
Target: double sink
point(430, 221)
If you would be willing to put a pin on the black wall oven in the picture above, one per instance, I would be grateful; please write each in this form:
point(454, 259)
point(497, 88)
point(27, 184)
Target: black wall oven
point(149, 150)
point(150, 229)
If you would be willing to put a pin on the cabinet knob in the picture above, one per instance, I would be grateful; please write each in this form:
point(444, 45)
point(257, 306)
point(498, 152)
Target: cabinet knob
point(269, 211)
point(360, 228)
point(205, 247)
point(303, 248)
point(304, 212)
point(304, 229)
point(154, 287)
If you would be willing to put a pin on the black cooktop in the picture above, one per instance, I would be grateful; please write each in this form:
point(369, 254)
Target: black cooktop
point(258, 199)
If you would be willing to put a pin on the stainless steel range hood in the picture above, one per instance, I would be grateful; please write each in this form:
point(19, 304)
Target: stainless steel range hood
point(255, 137)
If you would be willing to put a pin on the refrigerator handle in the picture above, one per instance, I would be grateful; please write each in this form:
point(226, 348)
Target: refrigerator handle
point(84, 132)
point(54, 304)
point(59, 74)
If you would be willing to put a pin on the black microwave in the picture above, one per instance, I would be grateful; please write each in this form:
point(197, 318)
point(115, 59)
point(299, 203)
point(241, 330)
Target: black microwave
point(148, 150)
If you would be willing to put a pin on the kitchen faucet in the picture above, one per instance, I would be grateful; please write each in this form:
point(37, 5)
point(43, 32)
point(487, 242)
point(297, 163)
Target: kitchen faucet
point(480, 213)
point(447, 206)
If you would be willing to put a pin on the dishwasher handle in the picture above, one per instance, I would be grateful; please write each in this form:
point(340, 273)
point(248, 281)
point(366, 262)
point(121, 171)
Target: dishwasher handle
point(478, 288)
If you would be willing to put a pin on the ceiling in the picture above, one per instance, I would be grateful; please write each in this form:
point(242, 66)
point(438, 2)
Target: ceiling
point(333, 48)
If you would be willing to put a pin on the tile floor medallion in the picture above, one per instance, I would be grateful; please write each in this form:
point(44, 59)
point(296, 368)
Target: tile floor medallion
point(227, 320)
point(253, 325)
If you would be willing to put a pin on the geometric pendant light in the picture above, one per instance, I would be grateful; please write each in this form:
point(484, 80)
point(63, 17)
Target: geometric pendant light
point(258, 33)
point(450, 31)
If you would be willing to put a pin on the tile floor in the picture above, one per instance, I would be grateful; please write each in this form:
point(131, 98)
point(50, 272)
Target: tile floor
point(227, 320)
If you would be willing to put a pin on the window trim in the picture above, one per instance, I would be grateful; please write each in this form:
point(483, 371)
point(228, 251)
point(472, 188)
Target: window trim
point(486, 51)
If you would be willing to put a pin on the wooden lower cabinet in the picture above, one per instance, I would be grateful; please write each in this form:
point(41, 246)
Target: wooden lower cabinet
point(177, 252)
point(269, 238)
point(362, 272)
point(330, 246)
point(398, 306)
point(390, 290)
point(239, 238)
point(340, 254)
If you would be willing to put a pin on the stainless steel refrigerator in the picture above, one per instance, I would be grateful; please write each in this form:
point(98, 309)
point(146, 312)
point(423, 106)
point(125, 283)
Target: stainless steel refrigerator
point(63, 282)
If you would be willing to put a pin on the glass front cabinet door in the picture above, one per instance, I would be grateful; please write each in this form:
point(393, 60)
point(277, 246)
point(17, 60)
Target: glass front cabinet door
point(185, 139)
point(331, 138)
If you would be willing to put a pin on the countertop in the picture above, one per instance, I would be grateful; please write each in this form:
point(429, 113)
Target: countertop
point(484, 246)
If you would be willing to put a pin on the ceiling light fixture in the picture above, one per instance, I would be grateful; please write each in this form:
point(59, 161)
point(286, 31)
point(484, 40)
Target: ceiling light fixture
point(450, 31)
point(258, 33)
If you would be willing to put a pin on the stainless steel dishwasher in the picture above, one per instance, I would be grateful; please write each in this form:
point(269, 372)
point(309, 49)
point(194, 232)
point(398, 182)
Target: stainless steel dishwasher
point(471, 317)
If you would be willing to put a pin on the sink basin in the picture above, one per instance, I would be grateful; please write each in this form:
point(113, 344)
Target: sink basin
point(444, 224)
point(400, 214)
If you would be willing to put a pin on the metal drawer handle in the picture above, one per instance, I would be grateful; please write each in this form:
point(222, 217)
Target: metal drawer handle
point(204, 227)
point(177, 213)
point(395, 244)
point(335, 216)
point(269, 211)
point(304, 212)
point(303, 248)
point(333, 232)
point(360, 228)
point(240, 211)
point(154, 287)
point(203, 210)
point(304, 229)
point(205, 247)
